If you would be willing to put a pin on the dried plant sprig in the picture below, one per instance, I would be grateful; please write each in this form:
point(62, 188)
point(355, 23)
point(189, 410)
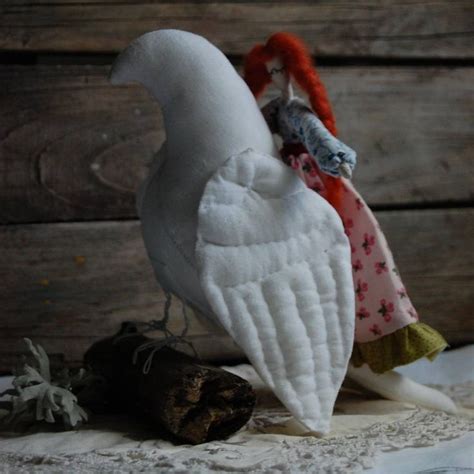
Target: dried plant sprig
point(36, 396)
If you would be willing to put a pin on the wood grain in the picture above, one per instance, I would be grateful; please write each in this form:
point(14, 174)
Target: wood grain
point(66, 302)
point(192, 401)
point(390, 29)
point(77, 279)
point(73, 147)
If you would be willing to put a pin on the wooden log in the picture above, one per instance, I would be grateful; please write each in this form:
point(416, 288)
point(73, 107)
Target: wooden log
point(87, 301)
point(392, 29)
point(73, 147)
point(193, 401)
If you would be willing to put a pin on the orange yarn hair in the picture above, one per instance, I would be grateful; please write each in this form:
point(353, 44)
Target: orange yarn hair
point(298, 63)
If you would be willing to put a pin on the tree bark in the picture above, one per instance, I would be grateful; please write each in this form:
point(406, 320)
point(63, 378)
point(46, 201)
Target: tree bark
point(193, 401)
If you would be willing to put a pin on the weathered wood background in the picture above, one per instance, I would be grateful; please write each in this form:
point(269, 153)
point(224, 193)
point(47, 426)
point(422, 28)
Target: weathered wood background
point(73, 150)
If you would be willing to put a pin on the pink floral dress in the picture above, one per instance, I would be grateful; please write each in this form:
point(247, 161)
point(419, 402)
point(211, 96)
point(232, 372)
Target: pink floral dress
point(382, 303)
point(383, 307)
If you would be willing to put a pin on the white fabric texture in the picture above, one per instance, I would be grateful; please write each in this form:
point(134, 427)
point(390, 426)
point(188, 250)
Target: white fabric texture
point(274, 264)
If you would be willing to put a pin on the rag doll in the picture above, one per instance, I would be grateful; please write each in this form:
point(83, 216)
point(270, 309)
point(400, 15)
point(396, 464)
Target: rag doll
point(388, 332)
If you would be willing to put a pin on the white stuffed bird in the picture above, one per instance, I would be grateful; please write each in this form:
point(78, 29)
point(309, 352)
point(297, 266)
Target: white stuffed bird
point(234, 233)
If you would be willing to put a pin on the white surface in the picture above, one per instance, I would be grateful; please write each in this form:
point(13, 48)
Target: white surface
point(372, 433)
point(451, 367)
point(448, 457)
point(5, 383)
point(275, 266)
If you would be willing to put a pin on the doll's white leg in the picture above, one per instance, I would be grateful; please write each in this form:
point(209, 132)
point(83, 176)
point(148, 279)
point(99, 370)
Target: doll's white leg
point(395, 386)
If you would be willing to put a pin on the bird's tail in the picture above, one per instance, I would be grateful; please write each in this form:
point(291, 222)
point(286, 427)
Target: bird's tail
point(395, 386)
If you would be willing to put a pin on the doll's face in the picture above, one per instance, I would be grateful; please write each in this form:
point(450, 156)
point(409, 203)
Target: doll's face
point(280, 76)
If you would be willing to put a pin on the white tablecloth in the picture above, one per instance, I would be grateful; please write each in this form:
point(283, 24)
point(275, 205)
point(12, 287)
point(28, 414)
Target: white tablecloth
point(369, 434)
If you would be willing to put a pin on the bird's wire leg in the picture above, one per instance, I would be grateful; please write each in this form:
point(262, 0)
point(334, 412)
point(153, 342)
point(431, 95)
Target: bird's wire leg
point(185, 331)
point(185, 319)
point(167, 308)
point(169, 339)
point(148, 326)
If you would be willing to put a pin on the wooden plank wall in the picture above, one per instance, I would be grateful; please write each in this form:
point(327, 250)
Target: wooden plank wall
point(73, 150)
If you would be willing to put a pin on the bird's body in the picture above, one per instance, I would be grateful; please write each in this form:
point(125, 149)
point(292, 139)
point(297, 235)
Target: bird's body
point(199, 99)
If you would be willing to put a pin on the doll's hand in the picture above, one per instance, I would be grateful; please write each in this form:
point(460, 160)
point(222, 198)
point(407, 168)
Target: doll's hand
point(345, 171)
point(343, 163)
point(338, 163)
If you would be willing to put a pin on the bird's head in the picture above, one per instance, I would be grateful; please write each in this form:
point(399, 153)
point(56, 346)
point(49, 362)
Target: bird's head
point(170, 64)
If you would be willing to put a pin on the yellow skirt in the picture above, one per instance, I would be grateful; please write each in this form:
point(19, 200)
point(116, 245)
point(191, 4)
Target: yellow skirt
point(401, 347)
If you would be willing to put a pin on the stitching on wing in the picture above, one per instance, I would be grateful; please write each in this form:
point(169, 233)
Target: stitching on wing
point(264, 197)
point(255, 329)
point(338, 340)
point(267, 197)
point(324, 324)
point(255, 244)
point(267, 275)
point(235, 161)
point(334, 263)
point(309, 341)
point(326, 343)
point(250, 192)
point(277, 342)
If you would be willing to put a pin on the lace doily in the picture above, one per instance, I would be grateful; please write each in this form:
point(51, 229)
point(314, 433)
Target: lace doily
point(363, 427)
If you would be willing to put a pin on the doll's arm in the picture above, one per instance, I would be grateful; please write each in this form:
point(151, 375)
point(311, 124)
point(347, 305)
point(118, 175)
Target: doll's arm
point(329, 152)
point(270, 113)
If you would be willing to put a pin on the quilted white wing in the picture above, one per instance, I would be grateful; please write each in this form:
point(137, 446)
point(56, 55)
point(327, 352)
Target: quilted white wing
point(274, 264)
